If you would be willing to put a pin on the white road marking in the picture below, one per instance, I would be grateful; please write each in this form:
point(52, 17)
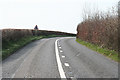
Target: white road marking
point(66, 64)
point(60, 47)
point(60, 68)
point(63, 56)
point(61, 51)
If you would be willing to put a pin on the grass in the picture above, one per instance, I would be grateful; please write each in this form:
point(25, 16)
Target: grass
point(9, 47)
point(109, 53)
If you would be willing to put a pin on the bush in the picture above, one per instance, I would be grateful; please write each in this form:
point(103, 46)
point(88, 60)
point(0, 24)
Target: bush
point(16, 34)
point(100, 29)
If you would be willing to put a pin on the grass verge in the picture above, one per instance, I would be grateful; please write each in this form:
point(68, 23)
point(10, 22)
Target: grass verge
point(109, 53)
point(9, 47)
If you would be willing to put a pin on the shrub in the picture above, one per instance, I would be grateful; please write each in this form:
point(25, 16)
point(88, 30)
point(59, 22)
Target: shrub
point(100, 29)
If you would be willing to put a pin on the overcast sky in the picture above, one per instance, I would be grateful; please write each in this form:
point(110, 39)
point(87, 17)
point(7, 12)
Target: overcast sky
point(58, 15)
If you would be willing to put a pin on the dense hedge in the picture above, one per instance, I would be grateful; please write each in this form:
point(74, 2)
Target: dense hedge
point(15, 34)
point(101, 30)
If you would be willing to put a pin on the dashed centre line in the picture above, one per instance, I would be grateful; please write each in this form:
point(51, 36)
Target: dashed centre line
point(60, 68)
point(63, 56)
point(66, 64)
point(60, 47)
point(61, 51)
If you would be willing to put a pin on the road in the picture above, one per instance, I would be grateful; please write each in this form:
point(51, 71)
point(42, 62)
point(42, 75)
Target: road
point(58, 58)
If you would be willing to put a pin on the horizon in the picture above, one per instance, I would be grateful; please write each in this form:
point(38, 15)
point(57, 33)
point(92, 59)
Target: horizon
point(38, 29)
point(54, 15)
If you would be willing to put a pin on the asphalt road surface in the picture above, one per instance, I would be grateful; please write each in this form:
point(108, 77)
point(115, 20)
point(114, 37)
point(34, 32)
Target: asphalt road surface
point(58, 58)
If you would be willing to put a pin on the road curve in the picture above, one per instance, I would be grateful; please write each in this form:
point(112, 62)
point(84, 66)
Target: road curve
point(58, 58)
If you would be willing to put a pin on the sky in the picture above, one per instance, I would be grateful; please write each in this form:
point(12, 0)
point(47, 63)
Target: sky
point(56, 15)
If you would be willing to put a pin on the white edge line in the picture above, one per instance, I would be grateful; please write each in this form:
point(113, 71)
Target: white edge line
point(60, 68)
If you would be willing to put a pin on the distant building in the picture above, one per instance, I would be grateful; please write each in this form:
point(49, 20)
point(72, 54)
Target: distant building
point(36, 27)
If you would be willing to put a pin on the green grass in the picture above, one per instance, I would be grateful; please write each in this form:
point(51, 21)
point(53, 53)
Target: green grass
point(109, 53)
point(10, 47)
